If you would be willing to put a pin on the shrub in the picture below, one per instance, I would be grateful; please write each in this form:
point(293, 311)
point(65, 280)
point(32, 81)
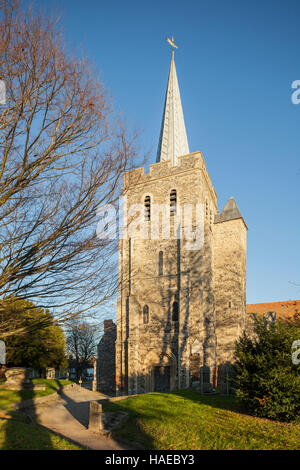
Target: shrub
point(266, 380)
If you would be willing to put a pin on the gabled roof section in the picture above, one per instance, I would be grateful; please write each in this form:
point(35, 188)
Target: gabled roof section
point(230, 212)
point(173, 140)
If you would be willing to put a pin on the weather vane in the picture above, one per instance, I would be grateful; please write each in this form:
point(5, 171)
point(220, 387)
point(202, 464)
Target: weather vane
point(172, 43)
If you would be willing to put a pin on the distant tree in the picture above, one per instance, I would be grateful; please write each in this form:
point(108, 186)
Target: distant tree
point(267, 381)
point(82, 338)
point(42, 343)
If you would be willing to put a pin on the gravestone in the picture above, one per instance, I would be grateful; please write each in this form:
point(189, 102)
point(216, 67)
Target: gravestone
point(50, 373)
point(95, 416)
point(225, 383)
point(205, 383)
point(17, 378)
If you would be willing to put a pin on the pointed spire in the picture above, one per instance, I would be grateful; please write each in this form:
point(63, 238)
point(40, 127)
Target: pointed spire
point(173, 140)
point(230, 212)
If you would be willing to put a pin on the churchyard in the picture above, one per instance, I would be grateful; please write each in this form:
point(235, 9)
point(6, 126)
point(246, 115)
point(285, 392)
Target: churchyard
point(187, 420)
point(19, 433)
point(178, 420)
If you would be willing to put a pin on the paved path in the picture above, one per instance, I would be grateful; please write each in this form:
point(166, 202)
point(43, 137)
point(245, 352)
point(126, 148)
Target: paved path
point(68, 416)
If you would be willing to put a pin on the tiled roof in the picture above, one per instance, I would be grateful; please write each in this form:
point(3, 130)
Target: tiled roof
point(283, 309)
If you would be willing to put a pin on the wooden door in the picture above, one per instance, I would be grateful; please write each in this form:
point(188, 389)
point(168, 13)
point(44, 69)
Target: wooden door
point(162, 379)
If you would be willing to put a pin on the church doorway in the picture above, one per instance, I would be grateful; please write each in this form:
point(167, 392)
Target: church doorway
point(161, 378)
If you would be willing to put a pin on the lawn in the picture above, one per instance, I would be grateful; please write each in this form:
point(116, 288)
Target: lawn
point(7, 397)
point(17, 434)
point(186, 420)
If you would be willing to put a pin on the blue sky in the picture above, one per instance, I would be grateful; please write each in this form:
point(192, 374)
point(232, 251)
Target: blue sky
point(236, 62)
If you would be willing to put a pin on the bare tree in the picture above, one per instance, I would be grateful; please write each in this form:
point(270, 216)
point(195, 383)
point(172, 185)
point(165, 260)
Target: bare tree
point(62, 155)
point(82, 338)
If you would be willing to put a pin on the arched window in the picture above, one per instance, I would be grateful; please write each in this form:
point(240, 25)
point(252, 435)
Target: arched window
point(175, 311)
point(147, 203)
point(173, 202)
point(160, 263)
point(146, 314)
point(211, 217)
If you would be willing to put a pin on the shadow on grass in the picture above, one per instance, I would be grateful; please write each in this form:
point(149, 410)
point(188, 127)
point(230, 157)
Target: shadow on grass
point(147, 410)
point(23, 432)
point(172, 420)
point(222, 402)
point(21, 435)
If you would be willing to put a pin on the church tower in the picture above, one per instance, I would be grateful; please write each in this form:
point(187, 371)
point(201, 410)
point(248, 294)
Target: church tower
point(182, 267)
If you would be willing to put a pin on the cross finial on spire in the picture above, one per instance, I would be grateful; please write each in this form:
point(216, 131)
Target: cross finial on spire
point(171, 42)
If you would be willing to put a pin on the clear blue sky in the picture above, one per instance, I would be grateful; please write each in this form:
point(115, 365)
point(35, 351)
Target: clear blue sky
point(235, 64)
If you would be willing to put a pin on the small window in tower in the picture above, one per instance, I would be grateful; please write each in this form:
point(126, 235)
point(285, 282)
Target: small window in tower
point(211, 217)
point(206, 208)
point(229, 304)
point(160, 263)
point(147, 208)
point(175, 311)
point(173, 202)
point(146, 314)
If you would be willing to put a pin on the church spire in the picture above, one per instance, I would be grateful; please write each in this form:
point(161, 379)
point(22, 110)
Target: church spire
point(173, 140)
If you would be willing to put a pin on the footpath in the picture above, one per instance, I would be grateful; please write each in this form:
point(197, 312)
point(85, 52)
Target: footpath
point(68, 416)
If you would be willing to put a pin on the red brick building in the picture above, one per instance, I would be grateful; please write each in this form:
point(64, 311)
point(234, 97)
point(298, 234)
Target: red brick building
point(285, 309)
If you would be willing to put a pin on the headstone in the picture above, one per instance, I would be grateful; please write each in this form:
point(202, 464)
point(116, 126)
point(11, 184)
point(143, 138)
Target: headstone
point(205, 383)
point(226, 384)
point(17, 378)
point(50, 373)
point(95, 416)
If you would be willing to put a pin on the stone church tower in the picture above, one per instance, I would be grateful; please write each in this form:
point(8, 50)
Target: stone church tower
point(179, 308)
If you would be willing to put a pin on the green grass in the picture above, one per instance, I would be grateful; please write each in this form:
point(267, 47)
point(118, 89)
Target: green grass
point(186, 420)
point(18, 435)
point(8, 397)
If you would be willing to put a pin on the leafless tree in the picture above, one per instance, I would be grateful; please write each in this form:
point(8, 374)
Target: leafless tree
point(62, 156)
point(82, 338)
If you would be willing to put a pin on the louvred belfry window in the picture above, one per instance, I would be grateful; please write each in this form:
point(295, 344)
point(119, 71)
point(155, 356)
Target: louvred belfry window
point(147, 208)
point(173, 202)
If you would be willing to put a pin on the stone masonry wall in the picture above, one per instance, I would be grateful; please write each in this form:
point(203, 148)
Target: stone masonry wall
point(188, 278)
point(230, 284)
